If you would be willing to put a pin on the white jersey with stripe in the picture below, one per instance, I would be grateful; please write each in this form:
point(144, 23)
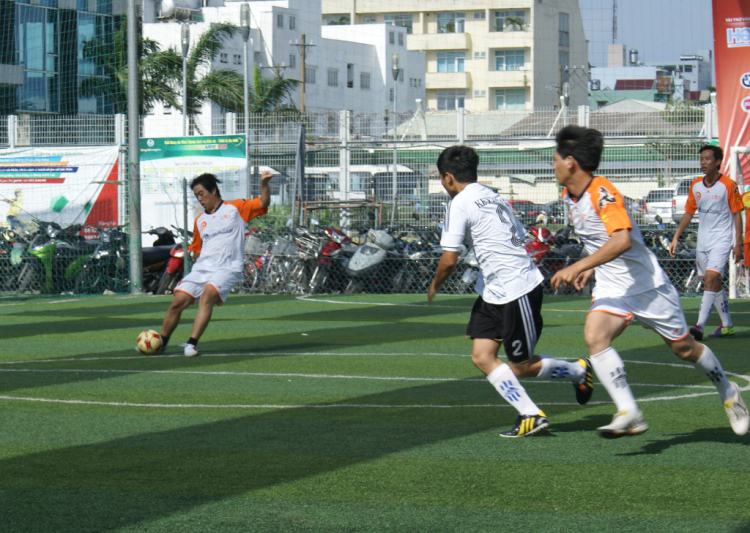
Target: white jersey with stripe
point(506, 270)
point(599, 212)
point(219, 237)
point(715, 206)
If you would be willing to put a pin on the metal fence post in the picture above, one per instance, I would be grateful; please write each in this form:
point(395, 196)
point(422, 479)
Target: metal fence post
point(344, 118)
point(12, 130)
point(461, 125)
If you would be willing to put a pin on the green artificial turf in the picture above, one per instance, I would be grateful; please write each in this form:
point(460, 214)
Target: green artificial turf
point(346, 413)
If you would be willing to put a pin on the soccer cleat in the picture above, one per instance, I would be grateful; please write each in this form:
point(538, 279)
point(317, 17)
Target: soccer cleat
point(624, 424)
point(697, 332)
point(737, 412)
point(527, 425)
point(721, 331)
point(191, 350)
point(584, 389)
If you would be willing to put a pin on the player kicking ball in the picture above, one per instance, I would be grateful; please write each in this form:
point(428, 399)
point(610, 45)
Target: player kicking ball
point(508, 309)
point(629, 284)
point(218, 241)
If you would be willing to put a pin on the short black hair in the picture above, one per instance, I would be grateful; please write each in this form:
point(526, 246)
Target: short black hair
point(207, 181)
point(585, 145)
point(460, 161)
point(718, 152)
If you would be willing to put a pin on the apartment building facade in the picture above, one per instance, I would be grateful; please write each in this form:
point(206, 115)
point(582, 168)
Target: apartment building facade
point(486, 55)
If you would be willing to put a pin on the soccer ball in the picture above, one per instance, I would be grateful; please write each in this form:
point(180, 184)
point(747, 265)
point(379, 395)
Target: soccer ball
point(149, 342)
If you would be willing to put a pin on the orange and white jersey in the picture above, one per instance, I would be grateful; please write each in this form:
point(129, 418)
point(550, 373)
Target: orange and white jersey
point(599, 212)
point(219, 237)
point(715, 206)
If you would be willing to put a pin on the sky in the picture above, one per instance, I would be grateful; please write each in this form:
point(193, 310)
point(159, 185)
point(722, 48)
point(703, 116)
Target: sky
point(661, 30)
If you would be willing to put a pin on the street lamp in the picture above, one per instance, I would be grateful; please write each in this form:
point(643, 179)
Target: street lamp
point(245, 29)
point(185, 48)
point(396, 71)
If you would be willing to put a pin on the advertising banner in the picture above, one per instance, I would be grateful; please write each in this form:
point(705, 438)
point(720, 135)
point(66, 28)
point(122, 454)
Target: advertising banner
point(167, 161)
point(732, 50)
point(62, 185)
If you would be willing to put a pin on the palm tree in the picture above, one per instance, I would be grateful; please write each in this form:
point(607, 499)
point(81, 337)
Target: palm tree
point(155, 72)
point(224, 87)
point(270, 95)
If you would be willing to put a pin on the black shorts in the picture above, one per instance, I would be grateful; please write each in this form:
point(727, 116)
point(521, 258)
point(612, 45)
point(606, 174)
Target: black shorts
point(517, 324)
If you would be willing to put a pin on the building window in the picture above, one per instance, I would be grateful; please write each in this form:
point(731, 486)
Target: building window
point(405, 20)
point(450, 100)
point(451, 61)
point(480, 55)
point(279, 20)
point(510, 98)
point(370, 19)
point(310, 75)
point(401, 75)
point(564, 31)
point(292, 60)
point(451, 22)
point(401, 39)
point(237, 59)
point(292, 22)
point(258, 58)
point(364, 81)
point(392, 37)
point(564, 62)
point(391, 97)
point(333, 77)
point(365, 126)
point(224, 58)
point(338, 20)
point(509, 59)
point(510, 20)
point(350, 75)
point(480, 15)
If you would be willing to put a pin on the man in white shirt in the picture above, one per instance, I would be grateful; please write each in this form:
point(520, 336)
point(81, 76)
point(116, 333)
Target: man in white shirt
point(218, 241)
point(508, 309)
point(629, 284)
point(716, 199)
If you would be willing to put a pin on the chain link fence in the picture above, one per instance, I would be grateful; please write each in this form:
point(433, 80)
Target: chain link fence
point(366, 214)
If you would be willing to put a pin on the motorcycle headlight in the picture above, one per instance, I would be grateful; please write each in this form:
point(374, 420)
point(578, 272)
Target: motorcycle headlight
point(100, 253)
point(51, 232)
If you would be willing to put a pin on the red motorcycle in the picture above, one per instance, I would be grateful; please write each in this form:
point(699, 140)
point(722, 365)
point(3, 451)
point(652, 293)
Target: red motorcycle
point(551, 253)
point(329, 269)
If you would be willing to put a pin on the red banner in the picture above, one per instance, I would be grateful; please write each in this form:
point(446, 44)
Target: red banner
point(732, 52)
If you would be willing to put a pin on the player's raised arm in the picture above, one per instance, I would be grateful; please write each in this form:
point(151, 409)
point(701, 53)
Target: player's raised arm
point(265, 189)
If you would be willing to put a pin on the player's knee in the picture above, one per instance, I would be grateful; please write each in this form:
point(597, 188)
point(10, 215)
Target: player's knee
point(481, 358)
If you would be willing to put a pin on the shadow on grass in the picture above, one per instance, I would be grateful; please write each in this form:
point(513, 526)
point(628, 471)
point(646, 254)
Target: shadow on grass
point(715, 435)
point(300, 453)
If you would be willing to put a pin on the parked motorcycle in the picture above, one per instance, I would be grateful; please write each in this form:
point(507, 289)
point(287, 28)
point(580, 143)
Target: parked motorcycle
point(53, 262)
point(156, 257)
point(329, 274)
point(175, 267)
point(107, 269)
point(367, 268)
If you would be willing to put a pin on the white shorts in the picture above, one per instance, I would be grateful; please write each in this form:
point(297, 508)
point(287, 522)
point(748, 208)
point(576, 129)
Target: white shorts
point(659, 310)
point(715, 259)
point(221, 281)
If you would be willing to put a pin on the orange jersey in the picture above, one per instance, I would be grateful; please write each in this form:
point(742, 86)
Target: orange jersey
point(715, 206)
point(599, 212)
point(219, 237)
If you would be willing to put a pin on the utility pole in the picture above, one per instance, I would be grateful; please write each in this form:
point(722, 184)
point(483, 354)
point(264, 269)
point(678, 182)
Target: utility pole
point(302, 46)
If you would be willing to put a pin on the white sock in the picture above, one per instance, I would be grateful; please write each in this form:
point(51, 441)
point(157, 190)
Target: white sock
point(722, 307)
point(558, 369)
point(709, 365)
point(706, 304)
point(610, 370)
point(507, 384)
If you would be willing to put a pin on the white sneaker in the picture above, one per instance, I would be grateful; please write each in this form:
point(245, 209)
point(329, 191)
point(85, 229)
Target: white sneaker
point(737, 412)
point(624, 424)
point(190, 350)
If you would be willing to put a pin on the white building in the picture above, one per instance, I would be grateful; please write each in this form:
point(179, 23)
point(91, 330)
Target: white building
point(345, 69)
point(486, 55)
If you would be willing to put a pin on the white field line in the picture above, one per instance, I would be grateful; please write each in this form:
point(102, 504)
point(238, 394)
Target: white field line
point(387, 304)
point(315, 376)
